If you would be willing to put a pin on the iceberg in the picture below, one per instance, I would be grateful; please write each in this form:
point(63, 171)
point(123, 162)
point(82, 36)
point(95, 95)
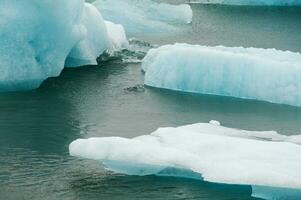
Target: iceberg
point(142, 16)
point(95, 41)
point(250, 73)
point(254, 2)
point(39, 38)
point(268, 161)
point(117, 35)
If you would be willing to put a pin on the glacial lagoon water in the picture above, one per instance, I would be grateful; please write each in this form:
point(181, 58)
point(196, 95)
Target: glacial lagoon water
point(37, 126)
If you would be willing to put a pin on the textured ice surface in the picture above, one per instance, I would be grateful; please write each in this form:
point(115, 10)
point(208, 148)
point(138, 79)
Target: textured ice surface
point(251, 73)
point(36, 37)
point(266, 160)
point(140, 16)
point(255, 2)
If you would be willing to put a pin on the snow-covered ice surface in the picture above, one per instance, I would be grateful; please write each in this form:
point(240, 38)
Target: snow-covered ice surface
point(142, 16)
point(36, 37)
point(254, 2)
point(268, 161)
point(250, 73)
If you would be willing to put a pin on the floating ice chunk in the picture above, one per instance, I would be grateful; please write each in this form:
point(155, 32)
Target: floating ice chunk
point(251, 73)
point(36, 37)
point(140, 16)
point(204, 151)
point(95, 41)
point(254, 2)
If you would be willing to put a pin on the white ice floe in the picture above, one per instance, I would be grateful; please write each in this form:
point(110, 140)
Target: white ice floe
point(253, 2)
point(251, 73)
point(266, 160)
point(36, 38)
point(141, 16)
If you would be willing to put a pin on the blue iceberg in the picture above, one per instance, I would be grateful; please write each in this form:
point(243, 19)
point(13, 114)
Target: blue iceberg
point(268, 161)
point(38, 38)
point(250, 73)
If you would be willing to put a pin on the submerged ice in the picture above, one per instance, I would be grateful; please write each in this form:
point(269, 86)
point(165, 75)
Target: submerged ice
point(38, 38)
point(141, 16)
point(251, 73)
point(266, 160)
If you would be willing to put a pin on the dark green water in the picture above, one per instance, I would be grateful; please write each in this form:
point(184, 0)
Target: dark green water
point(36, 127)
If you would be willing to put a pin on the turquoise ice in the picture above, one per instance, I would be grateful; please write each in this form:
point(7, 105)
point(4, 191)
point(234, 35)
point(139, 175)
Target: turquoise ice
point(268, 161)
point(37, 37)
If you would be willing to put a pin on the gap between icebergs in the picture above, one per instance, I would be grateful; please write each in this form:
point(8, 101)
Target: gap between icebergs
point(250, 73)
point(268, 161)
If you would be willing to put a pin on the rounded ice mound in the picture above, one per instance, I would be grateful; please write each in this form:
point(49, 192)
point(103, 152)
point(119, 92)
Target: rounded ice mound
point(251, 73)
point(254, 2)
point(268, 161)
point(94, 42)
point(140, 16)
